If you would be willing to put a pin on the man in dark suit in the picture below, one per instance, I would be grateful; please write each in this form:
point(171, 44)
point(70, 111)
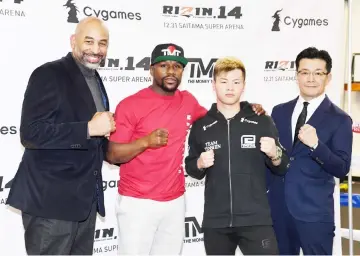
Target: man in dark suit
point(318, 137)
point(64, 125)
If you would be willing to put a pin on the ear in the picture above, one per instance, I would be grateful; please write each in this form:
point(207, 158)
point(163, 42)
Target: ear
point(328, 79)
point(152, 70)
point(72, 41)
point(213, 84)
point(296, 77)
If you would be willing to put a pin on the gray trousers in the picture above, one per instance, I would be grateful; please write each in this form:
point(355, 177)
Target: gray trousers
point(59, 237)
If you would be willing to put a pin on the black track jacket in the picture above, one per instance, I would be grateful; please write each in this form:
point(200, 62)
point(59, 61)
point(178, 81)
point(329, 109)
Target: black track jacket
point(235, 186)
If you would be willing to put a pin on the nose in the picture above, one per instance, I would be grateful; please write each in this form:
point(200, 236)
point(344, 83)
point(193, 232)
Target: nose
point(230, 87)
point(95, 48)
point(170, 70)
point(311, 77)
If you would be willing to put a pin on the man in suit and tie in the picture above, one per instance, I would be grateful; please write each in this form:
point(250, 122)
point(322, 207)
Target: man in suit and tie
point(318, 138)
point(64, 124)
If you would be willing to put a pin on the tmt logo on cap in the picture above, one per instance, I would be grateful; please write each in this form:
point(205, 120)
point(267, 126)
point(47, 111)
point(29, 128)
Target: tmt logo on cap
point(171, 50)
point(164, 52)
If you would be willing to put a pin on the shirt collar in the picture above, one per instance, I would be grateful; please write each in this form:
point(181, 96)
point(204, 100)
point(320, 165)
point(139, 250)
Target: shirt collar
point(314, 103)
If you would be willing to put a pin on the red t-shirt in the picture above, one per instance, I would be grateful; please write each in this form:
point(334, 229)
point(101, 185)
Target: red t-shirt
point(156, 174)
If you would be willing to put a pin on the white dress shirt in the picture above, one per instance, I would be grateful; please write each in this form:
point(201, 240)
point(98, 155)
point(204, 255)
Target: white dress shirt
point(313, 105)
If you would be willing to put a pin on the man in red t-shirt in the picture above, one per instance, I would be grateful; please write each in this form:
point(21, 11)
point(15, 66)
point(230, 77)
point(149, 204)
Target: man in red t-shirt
point(149, 143)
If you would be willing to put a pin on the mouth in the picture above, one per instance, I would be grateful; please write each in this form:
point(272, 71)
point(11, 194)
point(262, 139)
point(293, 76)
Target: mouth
point(93, 58)
point(230, 95)
point(170, 81)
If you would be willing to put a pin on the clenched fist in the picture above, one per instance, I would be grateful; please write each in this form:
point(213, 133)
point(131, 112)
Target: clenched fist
point(102, 123)
point(158, 138)
point(206, 159)
point(308, 136)
point(268, 146)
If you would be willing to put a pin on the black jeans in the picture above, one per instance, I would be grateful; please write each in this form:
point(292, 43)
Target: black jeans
point(59, 237)
point(252, 240)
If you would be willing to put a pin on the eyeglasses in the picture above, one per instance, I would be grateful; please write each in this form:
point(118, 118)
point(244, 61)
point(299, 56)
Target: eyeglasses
point(316, 74)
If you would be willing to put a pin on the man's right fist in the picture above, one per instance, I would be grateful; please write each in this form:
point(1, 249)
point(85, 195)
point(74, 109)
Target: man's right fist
point(206, 159)
point(101, 123)
point(157, 138)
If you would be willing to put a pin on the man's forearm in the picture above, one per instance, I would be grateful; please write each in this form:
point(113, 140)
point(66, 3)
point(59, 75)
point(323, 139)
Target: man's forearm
point(279, 166)
point(119, 153)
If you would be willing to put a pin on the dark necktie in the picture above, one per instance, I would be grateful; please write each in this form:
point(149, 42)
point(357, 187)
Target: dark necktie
point(301, 121)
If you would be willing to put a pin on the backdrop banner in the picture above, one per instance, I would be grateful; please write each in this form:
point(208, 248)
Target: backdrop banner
point(265, 35)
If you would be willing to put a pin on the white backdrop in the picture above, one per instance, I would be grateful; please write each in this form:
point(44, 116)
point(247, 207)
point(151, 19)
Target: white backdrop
point(37, 31)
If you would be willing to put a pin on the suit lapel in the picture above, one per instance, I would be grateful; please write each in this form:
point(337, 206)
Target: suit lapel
point(315, 121)
point(79, 83)
point(286, 120)
point(318, 116)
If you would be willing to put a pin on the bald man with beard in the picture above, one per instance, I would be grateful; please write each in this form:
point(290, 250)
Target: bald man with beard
point(64, 128)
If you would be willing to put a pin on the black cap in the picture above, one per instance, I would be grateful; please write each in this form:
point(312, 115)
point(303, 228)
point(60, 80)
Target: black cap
point(164, 52)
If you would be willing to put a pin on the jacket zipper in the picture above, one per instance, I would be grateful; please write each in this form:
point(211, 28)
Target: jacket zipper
point(231, 206)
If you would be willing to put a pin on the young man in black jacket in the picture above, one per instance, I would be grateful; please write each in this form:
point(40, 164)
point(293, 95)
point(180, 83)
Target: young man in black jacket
point(233, 147)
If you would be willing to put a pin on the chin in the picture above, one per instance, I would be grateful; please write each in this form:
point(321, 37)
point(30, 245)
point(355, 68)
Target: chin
point(229, 102)
point(312, 92)
point(92, 65)
point(170, 88)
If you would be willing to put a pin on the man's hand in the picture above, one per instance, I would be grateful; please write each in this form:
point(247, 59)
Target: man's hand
point(101, 123)
point(308, 136)
point(258, 109)
point(206, 159)
point(156, 139)
point(268, 146)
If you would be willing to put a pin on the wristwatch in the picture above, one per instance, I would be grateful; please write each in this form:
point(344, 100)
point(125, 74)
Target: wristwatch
point(278, 154)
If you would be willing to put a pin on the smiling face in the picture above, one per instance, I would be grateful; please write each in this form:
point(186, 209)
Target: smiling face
point(90, 42)
point(312, 78)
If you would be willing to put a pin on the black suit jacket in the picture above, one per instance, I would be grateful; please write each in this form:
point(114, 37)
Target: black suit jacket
point(60, 168)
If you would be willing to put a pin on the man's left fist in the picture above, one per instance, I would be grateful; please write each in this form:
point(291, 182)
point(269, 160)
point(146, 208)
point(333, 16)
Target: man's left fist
point(268, 146)
point(308, 136)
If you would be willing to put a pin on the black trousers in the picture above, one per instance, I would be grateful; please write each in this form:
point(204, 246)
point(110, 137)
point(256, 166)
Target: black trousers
point(59, 237)
point(252, 240)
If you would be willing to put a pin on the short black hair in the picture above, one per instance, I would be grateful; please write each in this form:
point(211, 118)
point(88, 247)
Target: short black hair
point(314, 53)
